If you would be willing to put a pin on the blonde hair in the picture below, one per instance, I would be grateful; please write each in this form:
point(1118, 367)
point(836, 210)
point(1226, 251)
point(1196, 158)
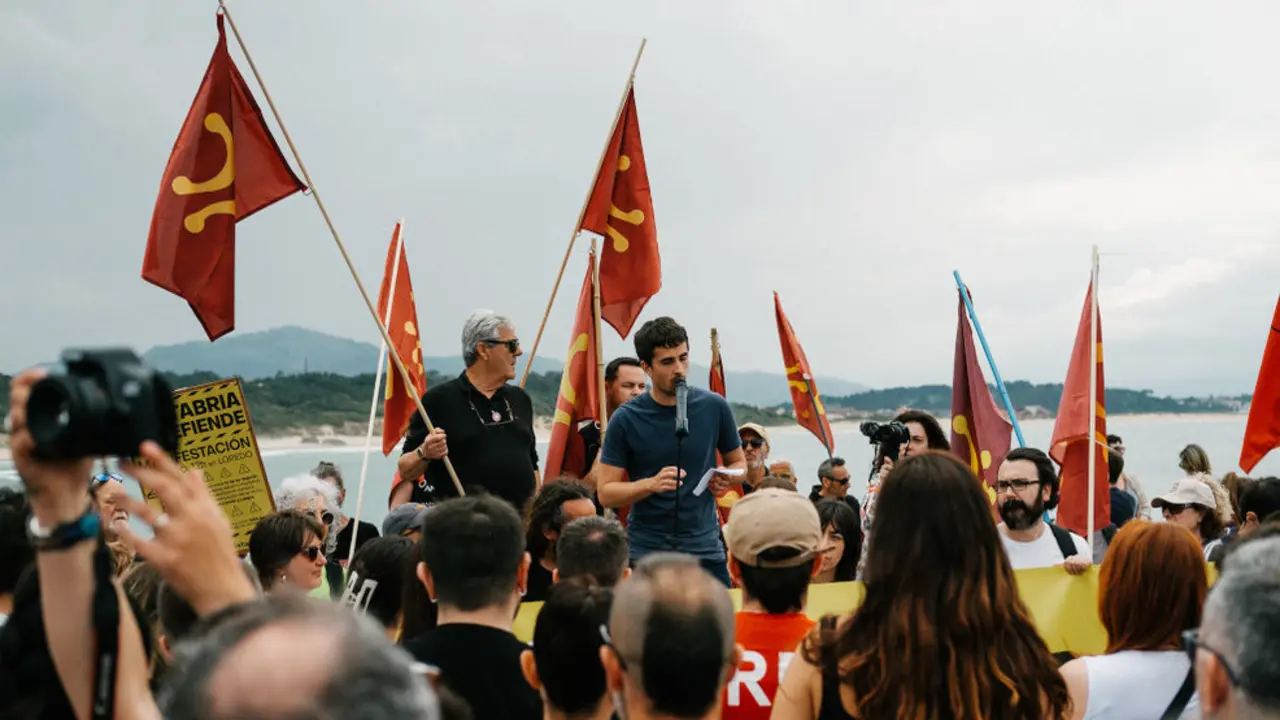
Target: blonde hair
point(1194, 460)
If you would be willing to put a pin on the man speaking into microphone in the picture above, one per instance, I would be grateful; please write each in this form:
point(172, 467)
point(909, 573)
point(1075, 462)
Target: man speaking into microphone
point(653, 468)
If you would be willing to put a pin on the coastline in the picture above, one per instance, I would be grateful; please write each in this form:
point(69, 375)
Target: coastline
point(302, 442)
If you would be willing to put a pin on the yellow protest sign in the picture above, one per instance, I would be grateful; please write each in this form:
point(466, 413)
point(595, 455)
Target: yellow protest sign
point(215, 435)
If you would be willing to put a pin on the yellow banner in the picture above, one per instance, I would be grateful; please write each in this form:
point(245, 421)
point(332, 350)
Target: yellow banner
point(1064, 607)
point(215, 435)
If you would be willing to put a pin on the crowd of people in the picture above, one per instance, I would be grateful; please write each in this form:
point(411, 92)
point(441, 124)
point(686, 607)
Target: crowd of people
point(633, 562)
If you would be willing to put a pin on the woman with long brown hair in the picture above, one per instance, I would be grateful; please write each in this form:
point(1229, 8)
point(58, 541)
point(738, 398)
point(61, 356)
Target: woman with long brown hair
point(942, 632)
point(1151, 588)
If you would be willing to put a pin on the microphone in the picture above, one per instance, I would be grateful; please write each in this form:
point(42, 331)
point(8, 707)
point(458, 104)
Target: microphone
point(682, 408)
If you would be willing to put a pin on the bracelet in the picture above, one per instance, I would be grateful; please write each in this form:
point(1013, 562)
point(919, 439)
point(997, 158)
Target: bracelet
point(418, 450)
point(66, 535)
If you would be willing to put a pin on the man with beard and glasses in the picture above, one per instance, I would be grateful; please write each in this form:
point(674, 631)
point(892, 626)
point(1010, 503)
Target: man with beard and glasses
point(1027, 486)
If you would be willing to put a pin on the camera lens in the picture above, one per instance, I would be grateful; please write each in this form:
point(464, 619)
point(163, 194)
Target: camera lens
point(50, 410)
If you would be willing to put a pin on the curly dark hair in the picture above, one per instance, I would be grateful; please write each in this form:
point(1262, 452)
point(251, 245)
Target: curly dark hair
point(663, 332)
point(965, 641)
point(546, 512)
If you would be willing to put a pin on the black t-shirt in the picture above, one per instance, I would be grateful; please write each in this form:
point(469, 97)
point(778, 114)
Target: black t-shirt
point(539, 583)
point(482, 666)
point(491, 442)
point(364, 533)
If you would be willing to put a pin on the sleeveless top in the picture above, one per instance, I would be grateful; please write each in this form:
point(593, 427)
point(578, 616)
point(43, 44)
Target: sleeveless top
point(1136, 684)
point(831, 707)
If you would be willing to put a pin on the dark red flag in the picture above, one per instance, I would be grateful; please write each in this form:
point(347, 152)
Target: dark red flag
point(1071, 445)
point(804, 393)
point(579, 397)
point(1262, 432)
point(398, 404)
point(979, 431)
point(224, 167)
point(621, 209)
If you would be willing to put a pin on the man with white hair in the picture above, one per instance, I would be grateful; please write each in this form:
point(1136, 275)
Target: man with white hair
point(482, 424)
point(1236, 650)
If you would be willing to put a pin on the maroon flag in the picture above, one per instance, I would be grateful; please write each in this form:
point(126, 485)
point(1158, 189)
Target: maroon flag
point(979, 431)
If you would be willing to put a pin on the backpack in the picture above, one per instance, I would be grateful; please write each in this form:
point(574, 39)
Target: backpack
point(1068, 546)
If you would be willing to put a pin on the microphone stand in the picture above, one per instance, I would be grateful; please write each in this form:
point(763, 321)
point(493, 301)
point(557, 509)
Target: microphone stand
point(682, 431)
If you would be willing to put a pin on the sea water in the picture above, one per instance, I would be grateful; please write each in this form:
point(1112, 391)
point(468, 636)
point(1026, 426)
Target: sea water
point(1152, 445)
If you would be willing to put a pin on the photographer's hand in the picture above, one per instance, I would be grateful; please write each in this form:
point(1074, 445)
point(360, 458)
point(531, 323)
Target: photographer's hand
point(886, 465)
point(192, 548)
point(59, 493)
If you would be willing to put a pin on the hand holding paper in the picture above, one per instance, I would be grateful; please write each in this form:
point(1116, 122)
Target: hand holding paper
point(706, 478)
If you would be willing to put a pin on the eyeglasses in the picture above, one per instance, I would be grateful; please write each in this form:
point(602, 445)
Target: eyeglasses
point(842, 481)
point(513, 345)
point(756, 443)
point(608, 642)
point(496, 416)
point(1191, 643)
point(312, 552)
point(1016, 485)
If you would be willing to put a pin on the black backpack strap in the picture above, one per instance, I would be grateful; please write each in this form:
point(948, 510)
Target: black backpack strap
point(1065, 543)
point(1180, 700)
point(1109, 533)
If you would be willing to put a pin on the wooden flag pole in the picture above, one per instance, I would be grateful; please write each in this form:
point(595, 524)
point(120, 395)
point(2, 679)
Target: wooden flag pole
point(715, 352)
point(602, 409)
point(1093, 389)
point(617, 116)
point(315, 194)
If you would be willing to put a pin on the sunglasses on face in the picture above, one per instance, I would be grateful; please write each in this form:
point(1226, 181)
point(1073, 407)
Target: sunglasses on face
point(312, 552)
point(842, 481)
point(1015, 485)
point(513, 344)
point(1174, 509)
point(756, 443)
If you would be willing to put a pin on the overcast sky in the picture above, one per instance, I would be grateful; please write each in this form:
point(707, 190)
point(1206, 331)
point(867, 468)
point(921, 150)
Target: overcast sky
point(848, 155)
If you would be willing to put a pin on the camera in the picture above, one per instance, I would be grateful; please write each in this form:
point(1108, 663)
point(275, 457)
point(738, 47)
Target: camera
point(101, 403)
point(889, 436)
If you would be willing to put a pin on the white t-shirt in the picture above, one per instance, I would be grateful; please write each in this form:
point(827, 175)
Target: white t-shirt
point(1041, 552)
point(1136, 684)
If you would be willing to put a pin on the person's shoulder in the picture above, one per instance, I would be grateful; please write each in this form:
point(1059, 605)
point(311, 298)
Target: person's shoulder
point(1081, 544)
point(515, 391)
point(448, 387)
point(705, 395)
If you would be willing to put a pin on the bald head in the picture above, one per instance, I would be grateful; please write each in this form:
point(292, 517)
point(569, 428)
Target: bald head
point(291, 658)
point(672, 626)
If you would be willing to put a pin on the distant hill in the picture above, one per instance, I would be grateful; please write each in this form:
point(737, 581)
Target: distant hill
point(292, 350)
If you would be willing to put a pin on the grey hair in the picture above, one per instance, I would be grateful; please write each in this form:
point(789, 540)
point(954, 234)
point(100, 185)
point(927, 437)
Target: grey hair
point(829, 465)
point(370, 677)
point(304, 487)
point(481, 326)
point(1242, 620)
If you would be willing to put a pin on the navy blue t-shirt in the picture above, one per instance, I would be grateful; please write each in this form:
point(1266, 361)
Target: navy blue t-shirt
point(641, 439)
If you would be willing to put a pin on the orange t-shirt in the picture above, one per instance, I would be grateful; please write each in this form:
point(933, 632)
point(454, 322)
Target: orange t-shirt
point(768, 644)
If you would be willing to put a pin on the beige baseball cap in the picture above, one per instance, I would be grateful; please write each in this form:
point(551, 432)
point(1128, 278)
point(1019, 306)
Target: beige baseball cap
point(1188, 491)
point(773, 518)
point(757, 429)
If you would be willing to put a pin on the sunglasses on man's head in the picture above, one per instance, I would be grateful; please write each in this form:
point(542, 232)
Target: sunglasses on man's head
point(756, 443)
point(312, 552)
point(513, 344)
point(103, 478)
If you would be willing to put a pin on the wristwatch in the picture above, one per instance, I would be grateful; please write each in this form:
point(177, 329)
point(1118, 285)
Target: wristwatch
point(67, 535)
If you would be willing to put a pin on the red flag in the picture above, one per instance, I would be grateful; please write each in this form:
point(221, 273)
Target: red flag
point(804, 393)
point(621, 210)
point(716, 382)
point(579, 397)
point(979, 431)
point(1070, 446)
point(225, 166)
point(402, 325)
point(1262, 432)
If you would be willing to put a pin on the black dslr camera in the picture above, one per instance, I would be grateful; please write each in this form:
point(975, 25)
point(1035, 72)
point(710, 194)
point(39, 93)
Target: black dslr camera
point(101, 403)
point(889, 436)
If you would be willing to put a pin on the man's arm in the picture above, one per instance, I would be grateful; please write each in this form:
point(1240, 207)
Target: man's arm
point(616, 492)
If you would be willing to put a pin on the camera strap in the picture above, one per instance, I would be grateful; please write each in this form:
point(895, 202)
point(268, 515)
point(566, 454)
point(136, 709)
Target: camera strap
point(106, 625)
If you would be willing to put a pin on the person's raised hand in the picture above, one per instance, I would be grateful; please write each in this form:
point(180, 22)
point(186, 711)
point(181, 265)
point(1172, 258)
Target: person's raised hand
point(886, 466)
point(192, 548)
point(58, 490)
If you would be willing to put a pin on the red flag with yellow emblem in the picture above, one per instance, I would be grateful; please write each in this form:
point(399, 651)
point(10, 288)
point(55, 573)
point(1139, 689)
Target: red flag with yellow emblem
point(225, 166)
point(804, 393)
point(1070, 446)
point(621, 210)
point(979, 431)
point(402, 325)
point(579, 397)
